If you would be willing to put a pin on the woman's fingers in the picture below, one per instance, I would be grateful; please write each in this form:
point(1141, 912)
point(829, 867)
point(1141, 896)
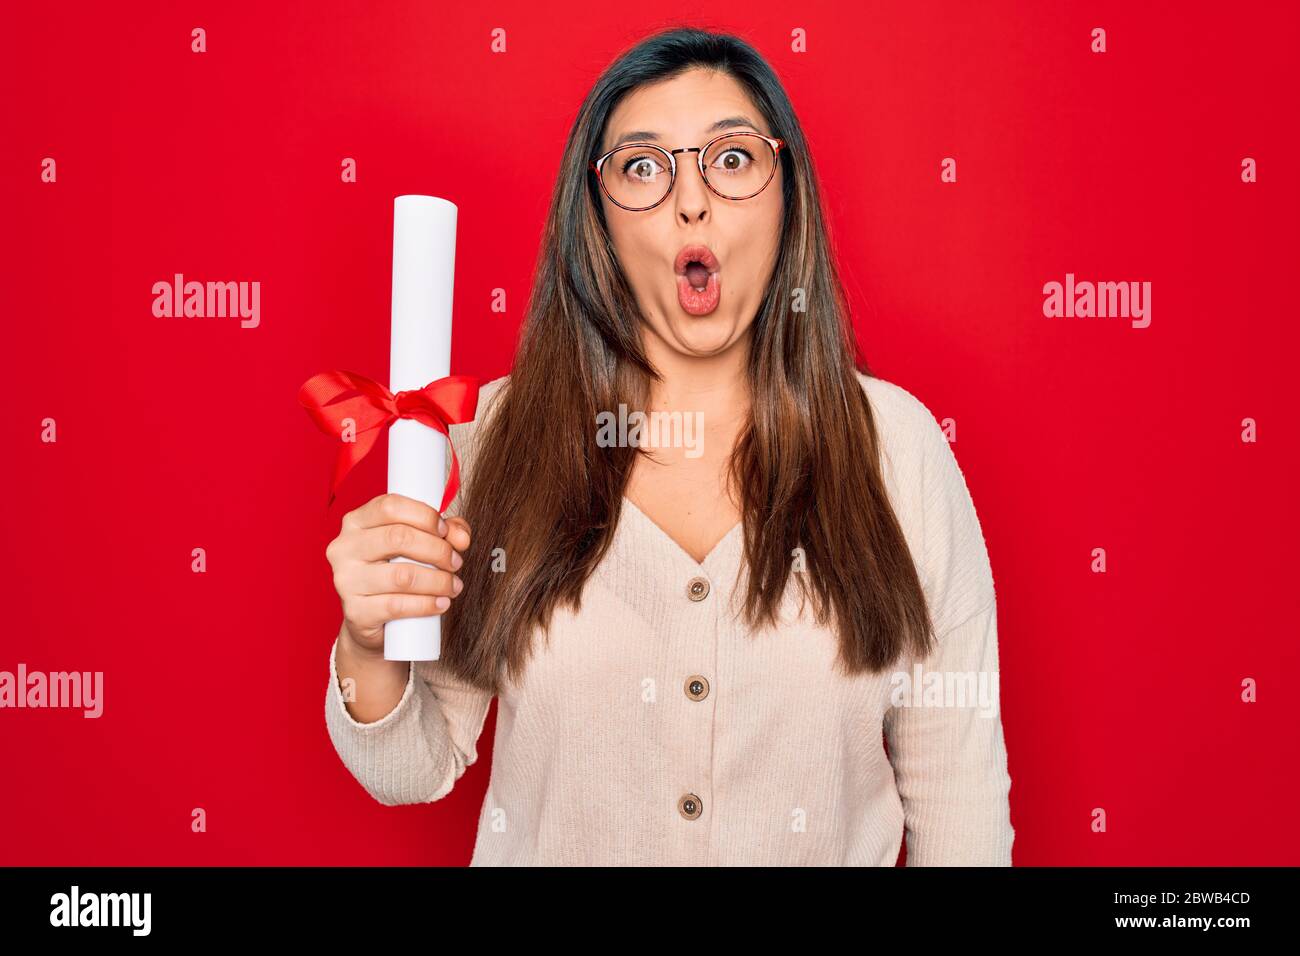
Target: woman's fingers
point(400, 577)
point(375, 589)
point(458, 533)
point(402, 540)
point(370, 611)
point(393, 508)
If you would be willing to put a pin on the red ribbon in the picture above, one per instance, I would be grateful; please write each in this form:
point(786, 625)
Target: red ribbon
point(443, 402)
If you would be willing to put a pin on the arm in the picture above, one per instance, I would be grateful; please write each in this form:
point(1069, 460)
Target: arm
point(950, 762)
point(406, 731)
point(417, 751)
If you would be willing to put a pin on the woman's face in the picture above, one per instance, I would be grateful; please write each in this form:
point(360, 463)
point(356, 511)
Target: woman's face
point(741, 234)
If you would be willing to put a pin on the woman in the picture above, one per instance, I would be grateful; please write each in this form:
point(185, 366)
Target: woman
point(701, 647)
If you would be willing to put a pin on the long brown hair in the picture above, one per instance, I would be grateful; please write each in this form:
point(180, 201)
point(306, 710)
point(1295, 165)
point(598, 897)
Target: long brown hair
point(806, 464)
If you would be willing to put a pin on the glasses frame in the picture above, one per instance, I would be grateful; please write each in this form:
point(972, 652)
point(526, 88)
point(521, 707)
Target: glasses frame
point(775, 142)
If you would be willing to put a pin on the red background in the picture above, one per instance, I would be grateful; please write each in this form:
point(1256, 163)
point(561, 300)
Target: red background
point(1119, 691)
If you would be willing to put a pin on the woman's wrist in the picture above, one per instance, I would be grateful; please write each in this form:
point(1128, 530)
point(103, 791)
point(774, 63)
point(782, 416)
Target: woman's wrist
point(352, 656)
point(377, 684)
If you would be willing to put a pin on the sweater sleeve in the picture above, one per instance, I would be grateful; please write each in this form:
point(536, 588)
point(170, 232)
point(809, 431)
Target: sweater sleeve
point(947, 748)
point(417, 751)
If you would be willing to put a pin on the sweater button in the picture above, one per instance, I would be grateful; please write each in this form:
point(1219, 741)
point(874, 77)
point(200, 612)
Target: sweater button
point(697, 687)
point(697, 589)
point(690, 806)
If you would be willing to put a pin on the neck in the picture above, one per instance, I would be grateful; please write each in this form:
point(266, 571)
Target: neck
point(713, 384)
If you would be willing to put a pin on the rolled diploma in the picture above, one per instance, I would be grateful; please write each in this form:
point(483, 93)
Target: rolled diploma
point(424, 258)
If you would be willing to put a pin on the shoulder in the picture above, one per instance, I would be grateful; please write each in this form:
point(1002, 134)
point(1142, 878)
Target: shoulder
point(464, 435)
point(932, 501)
point(909, 432)
point(488, 394)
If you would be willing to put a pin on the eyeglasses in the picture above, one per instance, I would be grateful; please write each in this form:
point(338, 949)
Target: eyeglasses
point(639, 176)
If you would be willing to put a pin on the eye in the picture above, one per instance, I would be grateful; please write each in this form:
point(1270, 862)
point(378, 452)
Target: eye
point(641, 168)
point(734, 159)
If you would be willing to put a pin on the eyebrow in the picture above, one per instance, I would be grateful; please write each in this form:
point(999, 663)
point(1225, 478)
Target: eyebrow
point(649, 135)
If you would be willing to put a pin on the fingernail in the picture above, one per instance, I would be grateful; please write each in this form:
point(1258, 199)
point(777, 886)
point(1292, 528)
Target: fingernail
point(456, 559)
point(457, 583)
point(442, 603)
point(442, 528)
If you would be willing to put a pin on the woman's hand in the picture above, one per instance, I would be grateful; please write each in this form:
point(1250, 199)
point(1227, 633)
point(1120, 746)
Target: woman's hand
point(374, 589)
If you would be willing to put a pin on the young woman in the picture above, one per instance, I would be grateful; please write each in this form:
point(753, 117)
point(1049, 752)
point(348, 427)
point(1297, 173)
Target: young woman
point(712, 649)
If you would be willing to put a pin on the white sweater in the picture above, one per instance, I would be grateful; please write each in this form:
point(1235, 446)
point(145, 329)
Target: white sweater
point(656, 729)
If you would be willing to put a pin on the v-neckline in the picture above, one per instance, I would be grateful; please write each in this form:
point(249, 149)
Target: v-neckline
point(713, 552)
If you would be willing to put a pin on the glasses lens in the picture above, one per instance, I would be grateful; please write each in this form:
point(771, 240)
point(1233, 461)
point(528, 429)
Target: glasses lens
point(637, 176)
point(738, 166)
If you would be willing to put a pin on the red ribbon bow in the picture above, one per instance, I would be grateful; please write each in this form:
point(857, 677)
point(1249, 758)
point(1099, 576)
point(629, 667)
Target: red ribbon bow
point(443, 402)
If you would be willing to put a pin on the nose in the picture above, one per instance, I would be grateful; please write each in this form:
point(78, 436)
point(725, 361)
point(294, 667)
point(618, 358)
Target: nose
point(692, 193)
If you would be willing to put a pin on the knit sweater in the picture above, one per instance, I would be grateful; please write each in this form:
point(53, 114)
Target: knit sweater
point(654, 727)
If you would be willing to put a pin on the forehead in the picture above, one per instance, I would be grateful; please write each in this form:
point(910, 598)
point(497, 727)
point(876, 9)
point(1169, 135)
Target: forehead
point(682, 110)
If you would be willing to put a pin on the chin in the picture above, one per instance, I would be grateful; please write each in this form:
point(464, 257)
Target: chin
point(704, 334)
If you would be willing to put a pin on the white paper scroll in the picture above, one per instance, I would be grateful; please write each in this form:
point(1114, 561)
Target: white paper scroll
point(424, 259)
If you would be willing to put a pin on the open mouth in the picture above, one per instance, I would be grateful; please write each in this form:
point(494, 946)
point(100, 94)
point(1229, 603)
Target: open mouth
point(696, 263)
point(698, 280)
